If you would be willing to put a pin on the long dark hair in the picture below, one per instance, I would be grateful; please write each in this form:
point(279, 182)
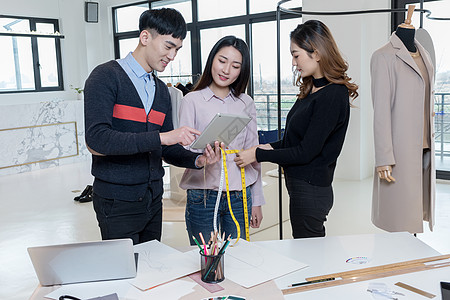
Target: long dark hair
point(239, 85)
point(312, 36)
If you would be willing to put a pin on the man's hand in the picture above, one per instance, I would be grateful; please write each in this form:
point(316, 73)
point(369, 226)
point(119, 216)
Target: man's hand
point(210, 156)
point(183, 135)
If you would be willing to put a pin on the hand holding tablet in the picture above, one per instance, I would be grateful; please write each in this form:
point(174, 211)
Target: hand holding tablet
point(223, 128)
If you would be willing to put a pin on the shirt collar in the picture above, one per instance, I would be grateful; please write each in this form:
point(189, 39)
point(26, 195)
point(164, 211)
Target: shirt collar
point(208, 94)
point(137, 69)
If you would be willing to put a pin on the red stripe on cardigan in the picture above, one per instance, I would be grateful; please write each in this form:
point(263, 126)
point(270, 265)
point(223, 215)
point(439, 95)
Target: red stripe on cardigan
point(129, 113)
point(156, 117)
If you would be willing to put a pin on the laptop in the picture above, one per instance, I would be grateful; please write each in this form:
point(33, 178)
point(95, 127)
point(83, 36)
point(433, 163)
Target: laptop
point(84, 262)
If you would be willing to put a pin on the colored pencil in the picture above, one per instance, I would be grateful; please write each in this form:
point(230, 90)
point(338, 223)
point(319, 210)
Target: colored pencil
point(198, 244)
point(204, 244)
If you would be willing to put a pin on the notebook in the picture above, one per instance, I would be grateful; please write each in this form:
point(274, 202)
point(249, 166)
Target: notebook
point(84, 262)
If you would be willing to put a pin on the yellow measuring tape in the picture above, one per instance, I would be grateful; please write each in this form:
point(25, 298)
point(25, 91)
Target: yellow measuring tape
point(244, 195)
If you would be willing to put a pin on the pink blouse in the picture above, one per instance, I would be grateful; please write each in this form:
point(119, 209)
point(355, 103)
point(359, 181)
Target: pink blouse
point(197, 109)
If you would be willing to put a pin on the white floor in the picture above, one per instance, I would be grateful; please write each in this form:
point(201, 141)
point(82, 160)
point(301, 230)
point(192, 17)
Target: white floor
point(37, 208)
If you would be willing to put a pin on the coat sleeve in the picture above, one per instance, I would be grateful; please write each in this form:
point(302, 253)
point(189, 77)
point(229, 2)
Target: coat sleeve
point(382, 119)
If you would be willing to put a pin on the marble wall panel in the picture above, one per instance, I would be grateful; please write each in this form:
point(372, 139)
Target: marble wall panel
point(41, 135)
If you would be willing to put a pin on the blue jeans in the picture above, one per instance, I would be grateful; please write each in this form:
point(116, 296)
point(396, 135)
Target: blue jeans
point(200, 215)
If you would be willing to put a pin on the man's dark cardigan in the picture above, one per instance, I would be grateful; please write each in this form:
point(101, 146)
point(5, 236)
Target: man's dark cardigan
point(118, 127)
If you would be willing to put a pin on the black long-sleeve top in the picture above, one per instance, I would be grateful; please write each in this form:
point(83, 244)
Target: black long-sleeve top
point(314, 135)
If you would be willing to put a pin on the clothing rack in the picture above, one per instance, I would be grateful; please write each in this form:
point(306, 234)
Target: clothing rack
point(318, 13)
point(359, 12)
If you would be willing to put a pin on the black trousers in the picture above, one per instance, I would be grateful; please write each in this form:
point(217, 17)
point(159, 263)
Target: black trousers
point(309, 206)
point(139, 220)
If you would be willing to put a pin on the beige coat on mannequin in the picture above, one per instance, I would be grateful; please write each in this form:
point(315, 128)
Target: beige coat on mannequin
point(398, 91)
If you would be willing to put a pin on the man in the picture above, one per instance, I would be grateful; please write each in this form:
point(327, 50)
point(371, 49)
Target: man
point(129, 130)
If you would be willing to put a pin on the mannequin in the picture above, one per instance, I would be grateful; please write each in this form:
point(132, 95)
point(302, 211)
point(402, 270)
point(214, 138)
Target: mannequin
point(402, 79)
point(406, 32)
point(407, 36)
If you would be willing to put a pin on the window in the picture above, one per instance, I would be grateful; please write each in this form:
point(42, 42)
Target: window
point(265, 72)
point(183, 6)
point(218, 9)
point(438, 30)
point(211, 35)
point(127, 45)
point(30, 55)
point(127, 18)
point(126, 27)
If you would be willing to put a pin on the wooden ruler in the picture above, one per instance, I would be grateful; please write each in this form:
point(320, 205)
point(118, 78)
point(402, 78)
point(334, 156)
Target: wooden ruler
point(415, 290)
point(388, 270)
point(382, 268)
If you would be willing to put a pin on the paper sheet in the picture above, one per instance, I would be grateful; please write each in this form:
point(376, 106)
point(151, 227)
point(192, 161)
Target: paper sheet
point(159, 264)
point(250, 265)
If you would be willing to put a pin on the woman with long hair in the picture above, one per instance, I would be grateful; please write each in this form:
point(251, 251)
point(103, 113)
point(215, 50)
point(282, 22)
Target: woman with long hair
point(315, 128)
point(221, 90)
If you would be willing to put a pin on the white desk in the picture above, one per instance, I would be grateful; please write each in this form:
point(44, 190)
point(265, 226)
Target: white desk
point(328, 255)
point(324, 256)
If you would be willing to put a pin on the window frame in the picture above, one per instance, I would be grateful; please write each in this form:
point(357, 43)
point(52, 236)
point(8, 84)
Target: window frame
point(35, 53)
point(126, 34)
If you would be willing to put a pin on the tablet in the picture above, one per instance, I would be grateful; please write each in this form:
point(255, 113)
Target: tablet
point(223, 128)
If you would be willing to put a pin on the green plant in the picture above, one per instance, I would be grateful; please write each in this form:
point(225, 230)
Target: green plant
point(76, 89)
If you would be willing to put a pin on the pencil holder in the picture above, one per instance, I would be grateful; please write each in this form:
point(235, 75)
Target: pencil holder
point(212, 267)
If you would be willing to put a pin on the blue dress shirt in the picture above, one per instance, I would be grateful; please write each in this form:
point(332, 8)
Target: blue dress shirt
point(142, 81)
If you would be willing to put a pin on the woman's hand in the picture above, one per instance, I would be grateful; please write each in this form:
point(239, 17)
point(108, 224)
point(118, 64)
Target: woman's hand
point(210, 156)
point(265, 147)
point(245, 157)
point(257, 217)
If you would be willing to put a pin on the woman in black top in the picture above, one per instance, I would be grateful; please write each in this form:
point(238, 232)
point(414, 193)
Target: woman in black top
point(315, 128)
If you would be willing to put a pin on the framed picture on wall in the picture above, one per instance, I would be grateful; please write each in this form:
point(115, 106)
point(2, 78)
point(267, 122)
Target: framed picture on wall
point(91, 12)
